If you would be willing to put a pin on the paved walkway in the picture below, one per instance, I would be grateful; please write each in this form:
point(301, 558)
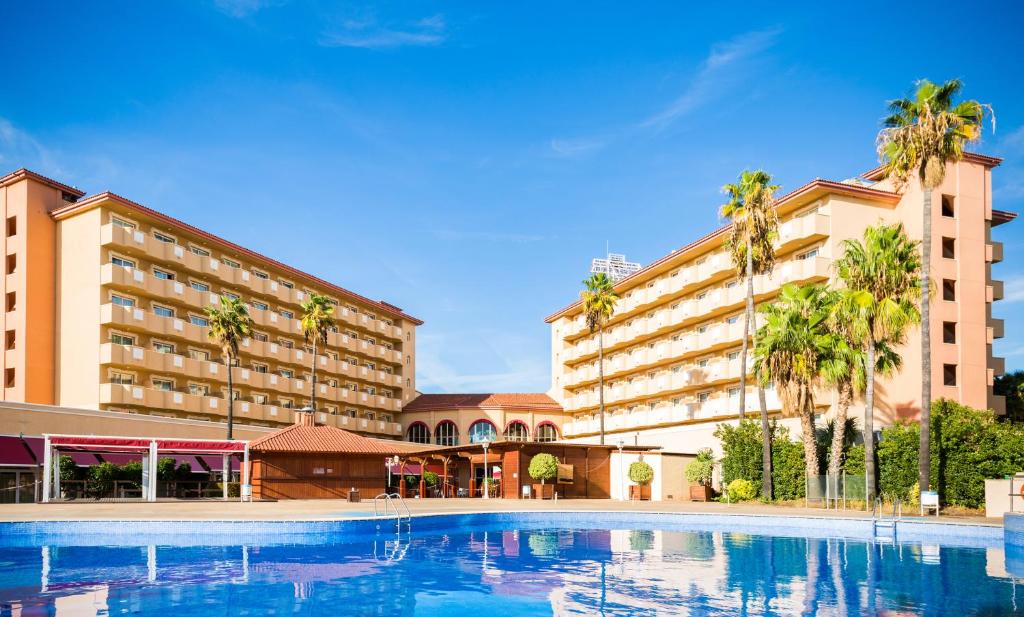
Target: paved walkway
point(337, 509)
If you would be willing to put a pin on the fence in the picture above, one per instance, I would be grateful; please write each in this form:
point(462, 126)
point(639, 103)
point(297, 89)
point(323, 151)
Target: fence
point(835, 491)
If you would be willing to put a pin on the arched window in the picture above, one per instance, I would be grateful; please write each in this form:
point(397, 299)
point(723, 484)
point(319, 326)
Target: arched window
point(418, 433)
point(546, 432)
point(517, 431)
point(446, 434)
point(482, 430)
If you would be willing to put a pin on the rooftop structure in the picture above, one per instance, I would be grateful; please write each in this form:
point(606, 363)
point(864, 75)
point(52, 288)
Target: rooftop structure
point(614, 265)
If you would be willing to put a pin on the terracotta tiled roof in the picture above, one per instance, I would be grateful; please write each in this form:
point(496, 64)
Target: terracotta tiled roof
point(327, 439)
point(520, 400)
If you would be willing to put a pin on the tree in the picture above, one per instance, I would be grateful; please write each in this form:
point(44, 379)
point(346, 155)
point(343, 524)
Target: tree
point(843, 368)
point(790, 348)
point(641, 472)
point(751, 208)
point(1011, 385)
point(881, 275)
point(543, 467)
point(316, 324)
point(599, 300)
point(921, 135)
point(230, 323)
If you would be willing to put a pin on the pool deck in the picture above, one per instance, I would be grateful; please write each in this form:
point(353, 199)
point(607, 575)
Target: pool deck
point(337, 509)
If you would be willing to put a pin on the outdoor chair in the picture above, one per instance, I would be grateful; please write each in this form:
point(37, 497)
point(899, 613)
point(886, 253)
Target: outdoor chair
point(929, 500)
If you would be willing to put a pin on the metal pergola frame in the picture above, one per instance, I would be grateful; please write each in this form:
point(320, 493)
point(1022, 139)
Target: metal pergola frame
point(149, 447)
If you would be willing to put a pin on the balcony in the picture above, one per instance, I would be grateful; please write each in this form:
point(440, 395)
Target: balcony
point(801, 230)
point(994, 252)
point(995, 291)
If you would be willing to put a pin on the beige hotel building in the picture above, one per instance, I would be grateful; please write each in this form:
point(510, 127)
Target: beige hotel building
point(103, 310)
point(672, 365)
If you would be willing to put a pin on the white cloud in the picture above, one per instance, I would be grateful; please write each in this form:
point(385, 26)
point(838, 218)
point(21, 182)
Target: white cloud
point(1014, 140)
point(570, 148)
point(518, 369)
point(487, 236)
point(20, 149)
point(243, 8)
point(1013, 290)
point(719, 73)
point(369, 34)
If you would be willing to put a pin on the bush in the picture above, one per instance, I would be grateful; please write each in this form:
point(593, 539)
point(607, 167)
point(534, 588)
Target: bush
point(431, 478)
point(543, 467)
point(641, 473)
point(68, 469)
point(100, 480)
point(897, 460)
point(701, 470)
point(412, 481)
point(742, 447)
point(853, 463)
point(741, 490)
point(165, 470)
point(788, 469)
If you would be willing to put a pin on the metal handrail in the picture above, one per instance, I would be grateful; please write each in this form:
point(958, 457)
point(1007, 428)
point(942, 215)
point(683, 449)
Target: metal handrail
point(390, 503)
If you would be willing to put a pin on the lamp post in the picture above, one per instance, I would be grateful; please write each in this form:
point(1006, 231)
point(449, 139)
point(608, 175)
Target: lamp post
point(388, 464)
point(622, 480)
point(487, 487)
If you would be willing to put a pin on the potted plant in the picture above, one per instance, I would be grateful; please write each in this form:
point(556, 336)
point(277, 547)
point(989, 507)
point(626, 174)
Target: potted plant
point(543, 467)
point(431, 479)
point(641, 474)
point(411, 484)
point(699, 474)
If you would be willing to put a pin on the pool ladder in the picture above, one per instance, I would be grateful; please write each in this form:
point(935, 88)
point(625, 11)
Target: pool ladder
point(885, 529)
point(390, 503)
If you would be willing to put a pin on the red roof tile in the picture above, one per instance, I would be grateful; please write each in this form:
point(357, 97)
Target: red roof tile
point(327, 439)
point(520, 400)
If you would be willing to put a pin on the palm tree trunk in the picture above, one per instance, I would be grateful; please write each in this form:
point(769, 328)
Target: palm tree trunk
point(312, 396)
point(839, 429)
point(600, 375)
point(767, 485)
point(231, 398)
point(746, 333)
point(806, 409)
point(923, 455)
point(869, 419)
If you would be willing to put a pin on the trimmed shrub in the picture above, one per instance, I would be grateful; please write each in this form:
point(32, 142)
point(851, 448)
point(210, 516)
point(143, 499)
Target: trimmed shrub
point(788, 469)
point(741, 445)
point(543, 467)
point(897, 460)
point(702, 469)
point(741, 490)
point(431, 478)
point(641, 473)
point(68, 469)
point(853, 463)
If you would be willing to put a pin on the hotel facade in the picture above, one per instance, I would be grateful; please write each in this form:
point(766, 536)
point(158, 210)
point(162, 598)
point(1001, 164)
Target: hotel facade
point(672, 366)
point(104, 304)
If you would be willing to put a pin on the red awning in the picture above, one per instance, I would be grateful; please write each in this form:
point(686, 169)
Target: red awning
point(14, 452)
point(134, 444)
point(215, 463)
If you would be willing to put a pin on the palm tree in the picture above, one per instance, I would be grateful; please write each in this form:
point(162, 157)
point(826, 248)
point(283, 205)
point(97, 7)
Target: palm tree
point(921, 135)
point(599, 300)
point(751, 208)
point(881, 276)
point(316, 323)
point(229, 324)
point(789, 351)
point(843, 368)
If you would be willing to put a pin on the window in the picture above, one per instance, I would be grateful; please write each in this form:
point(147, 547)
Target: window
point(286, 343)
point(163, 384)
point(286, 373)
point(949, 248)
point(516, 431)
point(259, 306)
point(949, 374)
point(351, 413)
point(259, 336)
point(163, 274)
point(546, 433)
point(199, 286)
point(734, 355)
point(703, 397)
point(229, 295)
point(949, 290)
point(287, 314)
point(199, 321)
point(199, 354)
point(370, 415)
point(808, 255)
point(702, 329)
point(702, 295)
point(287, 403)
point(731, 284)
point(12, 226)
point(164, 238)
point(446, 434)
point(259, 399)
point(122, 339)
point(122, 223)
point(162, 347)
point(163, 311)
point(733, 319)
point(118, 377)
point(121, 300)
point(260, 275)
point(947, 206)
point(260, 368)
point(198, 389)
point(10, 340)
point(12, 264)
point(231, 263)
point(418, 433)
point(199, 251)
point(482, 430)
point(949, 332)
point(120, 261)
point(386, 417)
point(12, 300)
point(703, 363)
point(286, 284)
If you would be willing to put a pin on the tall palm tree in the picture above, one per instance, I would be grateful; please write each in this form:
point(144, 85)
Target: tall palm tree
point(230, 323)
point(599, 300)
point(790, 347)
point(881, 276)
point(843, 368)
point(920, 135)
point(316, 323)
point(751, 208)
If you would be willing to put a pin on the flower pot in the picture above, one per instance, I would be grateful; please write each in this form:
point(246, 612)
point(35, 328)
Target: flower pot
point(700, 492)
point(640, 492)
point(543, 491)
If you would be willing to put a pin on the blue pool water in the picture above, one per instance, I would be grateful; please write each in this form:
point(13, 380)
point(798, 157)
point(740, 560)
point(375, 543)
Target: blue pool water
point(504, 565)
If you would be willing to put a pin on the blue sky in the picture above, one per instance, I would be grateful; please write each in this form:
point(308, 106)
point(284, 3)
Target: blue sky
point(466, 161)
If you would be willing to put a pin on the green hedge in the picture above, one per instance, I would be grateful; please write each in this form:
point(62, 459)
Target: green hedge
point(741, 445)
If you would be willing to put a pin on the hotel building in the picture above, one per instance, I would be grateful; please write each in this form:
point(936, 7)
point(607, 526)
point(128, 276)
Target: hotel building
point(672, 348)
point(455, 419)
point(103, 309)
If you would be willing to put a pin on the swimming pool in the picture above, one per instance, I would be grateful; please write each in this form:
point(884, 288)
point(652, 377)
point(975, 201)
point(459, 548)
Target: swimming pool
point(506, 564)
